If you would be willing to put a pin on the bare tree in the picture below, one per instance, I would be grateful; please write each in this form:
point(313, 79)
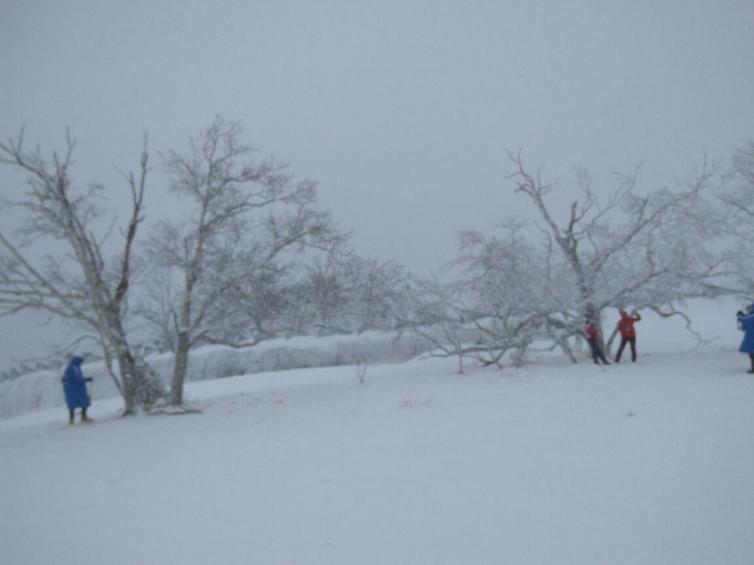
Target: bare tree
point(498, 301)
point(81, 285)
point(737, 194)
point(438, 317)
point(346, 293)
point(651, 251)
point(630, 248)
point(247, 216)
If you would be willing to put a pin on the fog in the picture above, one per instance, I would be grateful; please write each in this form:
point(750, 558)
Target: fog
point(401, 111)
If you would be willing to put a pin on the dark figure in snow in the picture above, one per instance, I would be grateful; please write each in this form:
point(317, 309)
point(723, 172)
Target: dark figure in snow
point(746, 323)
point(627, 333)
point(593, 337)
point(74, 387)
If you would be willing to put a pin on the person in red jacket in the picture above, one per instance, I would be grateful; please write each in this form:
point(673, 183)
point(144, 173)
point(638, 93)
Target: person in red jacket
point(592, 333)
point(627, 333)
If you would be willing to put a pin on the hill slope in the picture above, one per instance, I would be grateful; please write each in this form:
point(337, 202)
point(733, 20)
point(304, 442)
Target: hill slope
point(647, 463)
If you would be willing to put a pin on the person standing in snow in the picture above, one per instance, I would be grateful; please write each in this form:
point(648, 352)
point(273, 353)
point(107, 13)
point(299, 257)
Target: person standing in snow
point(74, 387)
point(627, 333)
point(746, 323)
point(593, 336)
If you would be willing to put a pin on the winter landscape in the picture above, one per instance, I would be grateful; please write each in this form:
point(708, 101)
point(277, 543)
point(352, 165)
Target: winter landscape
point(377, 283)
point(553, 463)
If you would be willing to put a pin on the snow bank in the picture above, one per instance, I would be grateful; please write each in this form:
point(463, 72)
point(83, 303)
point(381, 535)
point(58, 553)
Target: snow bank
point(42, 389)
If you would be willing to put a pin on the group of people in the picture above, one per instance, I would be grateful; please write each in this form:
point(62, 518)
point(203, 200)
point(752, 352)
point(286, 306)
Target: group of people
point(627, 336)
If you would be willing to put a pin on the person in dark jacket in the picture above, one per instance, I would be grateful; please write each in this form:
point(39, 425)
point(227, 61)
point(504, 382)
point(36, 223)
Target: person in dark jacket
point(627, 333)
point(746, 323)
point(74, 387)
point(592, 333)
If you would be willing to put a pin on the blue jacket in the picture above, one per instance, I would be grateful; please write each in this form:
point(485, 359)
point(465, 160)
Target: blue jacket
point(74, 385)
point(746, 321)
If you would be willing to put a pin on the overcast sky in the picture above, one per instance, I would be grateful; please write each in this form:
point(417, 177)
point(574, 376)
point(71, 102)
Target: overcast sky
point(401, 110)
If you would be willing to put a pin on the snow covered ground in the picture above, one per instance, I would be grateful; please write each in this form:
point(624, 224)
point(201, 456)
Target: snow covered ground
point(635, 464)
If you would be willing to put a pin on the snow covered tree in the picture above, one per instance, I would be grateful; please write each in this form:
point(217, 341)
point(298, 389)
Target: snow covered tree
point(511, 295)
point(737, 194)
point(379, 292)
point(57, 262)
point(502, 295)
point(439, 316)
point(247, 216)
point(345, 293)
point(647, 250)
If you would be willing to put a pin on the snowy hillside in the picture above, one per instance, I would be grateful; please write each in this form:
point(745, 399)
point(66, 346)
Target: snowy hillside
point(650, 463)
point(633, 464)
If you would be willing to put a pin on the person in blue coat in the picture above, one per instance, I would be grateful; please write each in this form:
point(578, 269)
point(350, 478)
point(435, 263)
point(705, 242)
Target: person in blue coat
point(74, 387)
point(746, 323)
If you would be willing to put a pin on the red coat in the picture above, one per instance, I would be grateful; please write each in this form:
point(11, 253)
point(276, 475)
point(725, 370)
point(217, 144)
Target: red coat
point(591, 331)
point(626, 324)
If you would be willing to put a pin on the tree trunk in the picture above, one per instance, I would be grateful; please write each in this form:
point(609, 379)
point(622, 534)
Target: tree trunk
point(179, 370)
point(565, 347)
point(141, 386)
point(130, 381)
